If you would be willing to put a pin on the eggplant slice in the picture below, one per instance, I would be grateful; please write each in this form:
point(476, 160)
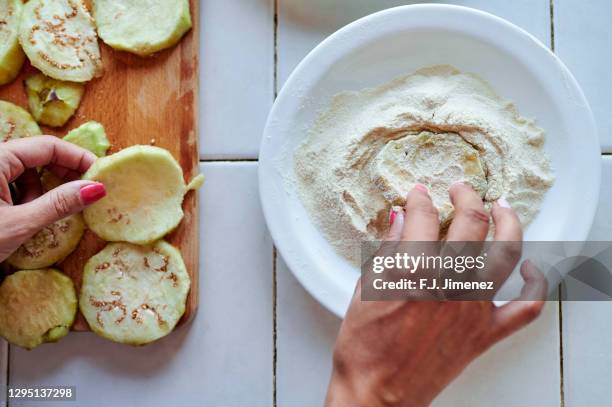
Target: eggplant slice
point(134, 294)
point(59, 38)
point(36, 306)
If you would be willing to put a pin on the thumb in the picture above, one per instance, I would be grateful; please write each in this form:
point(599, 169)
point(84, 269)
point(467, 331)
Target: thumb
point(65, 200)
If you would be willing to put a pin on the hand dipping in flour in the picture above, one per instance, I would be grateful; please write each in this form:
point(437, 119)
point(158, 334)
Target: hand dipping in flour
point(404, 353)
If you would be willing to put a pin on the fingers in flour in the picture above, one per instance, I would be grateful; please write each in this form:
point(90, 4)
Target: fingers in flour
point(471, 221)
point(421, 221)
point(507, 224)
point(507, 250)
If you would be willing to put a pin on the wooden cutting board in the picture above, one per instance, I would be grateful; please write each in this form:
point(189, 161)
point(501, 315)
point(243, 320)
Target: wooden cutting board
point(142, 101)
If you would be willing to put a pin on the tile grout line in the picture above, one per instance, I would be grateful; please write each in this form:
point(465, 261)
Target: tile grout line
point(256, 160)
point(274, 252)
point(560, 300)
point(274, 323)
point(552, 24)
point(275, 58)
point(229, 160)
point(561, 383)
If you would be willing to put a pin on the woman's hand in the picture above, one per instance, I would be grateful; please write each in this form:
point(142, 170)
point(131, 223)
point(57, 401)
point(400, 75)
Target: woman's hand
point(404, 353)
point(19, 160)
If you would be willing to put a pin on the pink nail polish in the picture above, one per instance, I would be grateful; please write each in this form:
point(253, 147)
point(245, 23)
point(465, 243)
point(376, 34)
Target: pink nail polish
point(92, 193)
point(421, 188)
point(392, 215)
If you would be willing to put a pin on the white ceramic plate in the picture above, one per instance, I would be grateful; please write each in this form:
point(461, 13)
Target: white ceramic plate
point(396, 42)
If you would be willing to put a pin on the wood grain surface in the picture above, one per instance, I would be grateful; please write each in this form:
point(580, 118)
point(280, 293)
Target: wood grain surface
point(139, 100)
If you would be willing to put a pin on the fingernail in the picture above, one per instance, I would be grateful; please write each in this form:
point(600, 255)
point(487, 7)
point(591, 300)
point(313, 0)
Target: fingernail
point(392, 215)
point(503, 203)
point(421, 188)
point(92, 193)
point(393, 212)
point(456, 183)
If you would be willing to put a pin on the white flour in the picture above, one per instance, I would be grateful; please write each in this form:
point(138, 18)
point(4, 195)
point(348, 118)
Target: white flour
point(366, 151)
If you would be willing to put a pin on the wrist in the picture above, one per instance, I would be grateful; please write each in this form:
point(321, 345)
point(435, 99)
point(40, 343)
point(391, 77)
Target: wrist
point(359, 390)
point(342, 393)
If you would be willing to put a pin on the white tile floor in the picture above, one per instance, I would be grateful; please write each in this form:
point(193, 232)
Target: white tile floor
point(587, 326)
point(303, 24)
point(226, 357)
point(581, 30)
point(236, 76)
